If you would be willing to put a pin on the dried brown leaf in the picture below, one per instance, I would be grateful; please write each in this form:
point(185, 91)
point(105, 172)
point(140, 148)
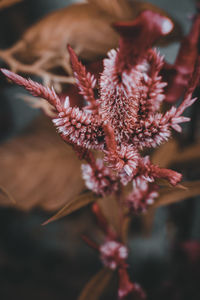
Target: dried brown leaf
point(188, 154)
point(7, 3)
point(121, 9)
point(39, 169)
point(43, 47)
point(73, 205)
point(96, 286)
point(6, 193)
point(171, 153)
point(169, 195)
point(176, 194)
point(165, 154)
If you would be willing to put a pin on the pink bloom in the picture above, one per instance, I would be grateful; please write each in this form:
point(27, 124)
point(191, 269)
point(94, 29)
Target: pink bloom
point(99, 179)
point(142, 196)
point(126, 117)
point(113, 254)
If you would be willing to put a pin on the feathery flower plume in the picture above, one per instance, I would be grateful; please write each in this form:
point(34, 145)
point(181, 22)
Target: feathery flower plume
point(126, 117)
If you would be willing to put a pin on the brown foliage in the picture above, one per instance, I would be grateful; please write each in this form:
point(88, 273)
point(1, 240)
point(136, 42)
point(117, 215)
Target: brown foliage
point(87, 27)
point(167, 155)
point(7, 3)
point(73, 205)
point(38, 169)
point(179, 193)
point(96, 286)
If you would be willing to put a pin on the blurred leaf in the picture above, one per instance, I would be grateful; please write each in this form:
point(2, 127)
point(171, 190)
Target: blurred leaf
point(39, 169)
point(42, 50)
point(176, 194)
point(165, 154)
point(6, 193)
point(121, 9)
point(7, 3)
point(96, 286)
point(188, 154)
point(73, 205)
point(171, 153)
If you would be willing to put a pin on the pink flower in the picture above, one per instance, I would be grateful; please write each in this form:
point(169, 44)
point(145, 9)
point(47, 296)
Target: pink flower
point(100, 179)
point(113, 254)
point(142, 196)
point(126, 117)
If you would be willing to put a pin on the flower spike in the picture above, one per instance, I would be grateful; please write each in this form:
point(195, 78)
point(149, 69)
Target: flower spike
point(85, 81)
point(35, 88)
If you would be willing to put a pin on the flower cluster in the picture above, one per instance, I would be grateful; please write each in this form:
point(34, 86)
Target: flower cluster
point(99, 179)
point(142, 196)
point(113, 254)
point(126, 117)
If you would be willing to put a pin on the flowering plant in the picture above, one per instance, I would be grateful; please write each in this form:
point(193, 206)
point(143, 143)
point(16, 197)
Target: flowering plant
point(114, 129)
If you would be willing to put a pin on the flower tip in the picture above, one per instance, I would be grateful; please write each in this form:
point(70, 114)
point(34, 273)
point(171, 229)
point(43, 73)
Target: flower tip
point(9, 74)
point(175, 178)
point(69, 47)
point(5, 71)
point(167, 26)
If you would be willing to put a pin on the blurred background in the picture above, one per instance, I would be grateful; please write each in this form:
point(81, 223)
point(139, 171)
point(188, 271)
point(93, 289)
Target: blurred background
point(52, 262)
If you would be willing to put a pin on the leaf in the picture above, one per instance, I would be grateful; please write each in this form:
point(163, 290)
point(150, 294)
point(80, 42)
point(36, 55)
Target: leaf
point(121, 9)
point(7, 3)
point(7, 194)
point(165, 154)
point(173, 195)
point(73, 205)
point(96, 286)
point(39, 169)
point(171, 153)
point(189, 153)
point(42, 49)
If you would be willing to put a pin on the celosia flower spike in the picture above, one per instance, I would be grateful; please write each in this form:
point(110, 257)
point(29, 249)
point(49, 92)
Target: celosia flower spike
point(147, 171)
point(112, 157)
point(35, 89)
point(85, 81)
point(156, 129)
point(74, 125)
point(79, 127)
